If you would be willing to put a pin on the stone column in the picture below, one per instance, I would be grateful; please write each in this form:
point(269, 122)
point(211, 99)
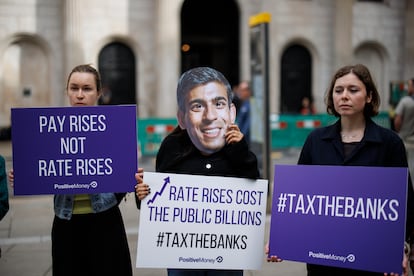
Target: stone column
point(409, 41)
point(343, 32)
point(72, 34)
point(168, 55)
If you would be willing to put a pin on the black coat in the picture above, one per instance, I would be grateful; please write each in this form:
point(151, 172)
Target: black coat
point(177, 154)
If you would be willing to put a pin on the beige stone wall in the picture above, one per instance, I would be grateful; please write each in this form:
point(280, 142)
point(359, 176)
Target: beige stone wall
point(309, 23)
point(91, 24)
point(408, 59)
point(31, 45)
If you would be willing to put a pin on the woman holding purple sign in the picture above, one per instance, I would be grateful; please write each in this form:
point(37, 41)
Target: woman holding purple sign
point(88, 232)
point(355, 140)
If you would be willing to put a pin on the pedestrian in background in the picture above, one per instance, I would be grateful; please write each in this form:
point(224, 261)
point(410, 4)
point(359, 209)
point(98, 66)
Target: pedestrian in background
point(88, 232)
point(244, 93)
point(404, 115)
point(307, 107)
point(206, 142)
point(404, 122)
point(404, 125)
point(236, 100)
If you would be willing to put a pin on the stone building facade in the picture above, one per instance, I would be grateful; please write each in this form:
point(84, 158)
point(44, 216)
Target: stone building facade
point(41, 40)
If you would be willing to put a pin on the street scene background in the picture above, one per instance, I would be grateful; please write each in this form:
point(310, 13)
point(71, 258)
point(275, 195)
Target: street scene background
point(25, 231)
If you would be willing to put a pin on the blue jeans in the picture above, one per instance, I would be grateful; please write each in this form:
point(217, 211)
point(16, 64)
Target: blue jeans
point(205, 272)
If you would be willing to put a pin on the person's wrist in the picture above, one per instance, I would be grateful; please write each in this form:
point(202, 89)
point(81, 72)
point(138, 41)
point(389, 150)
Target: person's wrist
point(407, 249)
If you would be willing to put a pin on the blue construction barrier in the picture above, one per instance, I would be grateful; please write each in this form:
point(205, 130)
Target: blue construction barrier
point(286, 130)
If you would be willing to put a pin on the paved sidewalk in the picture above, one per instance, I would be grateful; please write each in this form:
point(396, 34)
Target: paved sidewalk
point(25, 232)
point(25, 240)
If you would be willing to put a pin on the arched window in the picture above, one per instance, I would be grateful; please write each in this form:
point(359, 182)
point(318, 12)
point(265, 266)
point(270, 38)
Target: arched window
point(296, 78)
point(25, 76)
point(117, 68)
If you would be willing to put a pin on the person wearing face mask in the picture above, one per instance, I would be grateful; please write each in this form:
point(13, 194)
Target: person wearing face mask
point(206, 142)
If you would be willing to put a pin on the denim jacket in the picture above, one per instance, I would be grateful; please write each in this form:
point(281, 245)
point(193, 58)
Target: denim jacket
point(63, 204)
point(4, 193)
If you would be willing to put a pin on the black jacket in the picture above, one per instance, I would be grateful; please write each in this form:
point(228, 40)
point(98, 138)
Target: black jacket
point(177, 154)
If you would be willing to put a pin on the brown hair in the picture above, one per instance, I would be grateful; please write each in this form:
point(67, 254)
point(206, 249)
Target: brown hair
point(87, 68)
point(363, 74)
point(200, 76)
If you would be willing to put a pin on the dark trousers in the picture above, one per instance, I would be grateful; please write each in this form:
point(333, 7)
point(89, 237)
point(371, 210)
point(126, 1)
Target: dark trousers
point(91, 244)
point(319, 270)
point(209, 272)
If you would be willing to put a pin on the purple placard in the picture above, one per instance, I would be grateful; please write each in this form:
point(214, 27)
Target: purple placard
point(74, 150)
point(343, 216)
